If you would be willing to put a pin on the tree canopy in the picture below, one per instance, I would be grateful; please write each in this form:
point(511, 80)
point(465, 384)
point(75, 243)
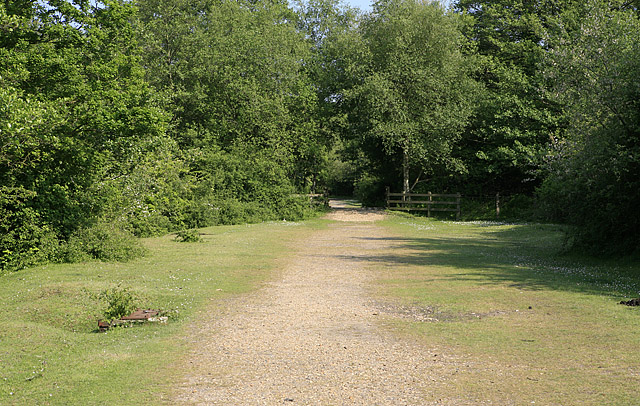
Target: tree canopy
point(414, 92)
point(122, 119)
point(594, 171)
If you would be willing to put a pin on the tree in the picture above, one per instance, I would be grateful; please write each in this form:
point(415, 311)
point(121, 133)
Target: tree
point(74, 112)
point(242, 103)
point(594, 179)
point(232, 71)
point(515, 121)
point(413, 94)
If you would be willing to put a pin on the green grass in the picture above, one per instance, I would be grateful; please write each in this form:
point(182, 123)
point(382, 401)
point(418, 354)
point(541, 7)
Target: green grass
point(529, 323)
point(575, 345)
point(51, 352)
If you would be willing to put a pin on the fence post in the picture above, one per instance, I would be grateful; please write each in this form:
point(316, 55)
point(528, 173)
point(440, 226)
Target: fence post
point(388, 197)
point(429, 205)
point(458, 206)
point(497, 205)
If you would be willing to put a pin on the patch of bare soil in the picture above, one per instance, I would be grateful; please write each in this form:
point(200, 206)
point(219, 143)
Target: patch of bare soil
point(420, 313)
point(313, 337)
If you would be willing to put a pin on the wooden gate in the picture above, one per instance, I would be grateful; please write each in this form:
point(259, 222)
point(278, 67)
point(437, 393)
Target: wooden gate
point(424, 202)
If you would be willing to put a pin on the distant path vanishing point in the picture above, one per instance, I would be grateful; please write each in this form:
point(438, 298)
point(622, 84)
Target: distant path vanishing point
point(312, 337)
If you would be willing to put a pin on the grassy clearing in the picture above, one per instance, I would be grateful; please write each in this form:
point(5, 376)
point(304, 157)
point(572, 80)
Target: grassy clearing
point(526, 323)
point(50, 351)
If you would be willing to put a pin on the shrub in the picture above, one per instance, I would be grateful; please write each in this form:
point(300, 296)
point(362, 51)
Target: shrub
point(188, 236)
point(298, 208)
point(148, 225)
point(103, 241)
point(518, 207)
point(369, 189)
point(25, 240)
point(119, 302)
point(478, 208)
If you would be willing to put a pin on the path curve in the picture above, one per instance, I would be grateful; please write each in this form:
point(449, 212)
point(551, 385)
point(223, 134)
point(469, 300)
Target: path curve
point(313, 336)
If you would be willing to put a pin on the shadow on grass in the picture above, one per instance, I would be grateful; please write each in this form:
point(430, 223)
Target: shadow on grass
point(523, 257)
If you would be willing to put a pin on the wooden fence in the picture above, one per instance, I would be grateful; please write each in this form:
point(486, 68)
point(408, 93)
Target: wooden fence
point(424, 202)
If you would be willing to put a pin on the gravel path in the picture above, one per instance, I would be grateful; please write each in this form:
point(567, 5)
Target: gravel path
point(313, 337)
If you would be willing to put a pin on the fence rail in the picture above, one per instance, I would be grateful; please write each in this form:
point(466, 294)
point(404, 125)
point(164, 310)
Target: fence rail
point(433, 202)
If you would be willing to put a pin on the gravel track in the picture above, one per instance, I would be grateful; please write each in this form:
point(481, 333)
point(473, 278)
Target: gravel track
point(312, 337)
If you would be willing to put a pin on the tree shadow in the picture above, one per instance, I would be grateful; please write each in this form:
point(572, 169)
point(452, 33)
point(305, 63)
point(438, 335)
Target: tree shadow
point(522, 257)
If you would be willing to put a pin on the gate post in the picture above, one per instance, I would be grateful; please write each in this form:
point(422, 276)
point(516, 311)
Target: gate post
point(388, 197)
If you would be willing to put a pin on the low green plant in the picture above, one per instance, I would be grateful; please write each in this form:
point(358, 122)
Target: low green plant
point(188, 236)
point(119, 302)
point(369, 189)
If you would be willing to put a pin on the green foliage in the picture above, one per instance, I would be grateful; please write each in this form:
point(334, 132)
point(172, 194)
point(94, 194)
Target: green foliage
point(102, 241)
point(411, 91)
point(369, 190)
point(75, 114)
point(159, 116)
point(243, 109)
point(234, 79)
point(518, 207)
point(119, 302)
point(340, 174)
point(155, 196)
point(594, 173)
point(503, 147)
point(242, 187)
point(25, 240)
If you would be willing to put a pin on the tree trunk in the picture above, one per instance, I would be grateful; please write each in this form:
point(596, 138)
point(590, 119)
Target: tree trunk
point(405, 171)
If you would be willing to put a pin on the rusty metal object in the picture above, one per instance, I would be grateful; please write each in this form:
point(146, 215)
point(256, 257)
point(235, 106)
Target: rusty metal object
point(141, 314)
point(138, 316)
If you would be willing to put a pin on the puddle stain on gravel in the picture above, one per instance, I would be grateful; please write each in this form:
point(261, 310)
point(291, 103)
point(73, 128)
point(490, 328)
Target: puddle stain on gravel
point(428, 314)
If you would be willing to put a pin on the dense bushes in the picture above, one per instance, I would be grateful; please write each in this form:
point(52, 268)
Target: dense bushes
point(92, 155)
point(102, 241)
point(25, 239)
point(593, 178)
point(370, 190)
point(596, 188)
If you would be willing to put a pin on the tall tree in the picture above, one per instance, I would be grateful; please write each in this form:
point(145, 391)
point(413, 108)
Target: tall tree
point(329, 27)
point(515, 121)
point(594, 179)
point(413, 93)
point(234, 76)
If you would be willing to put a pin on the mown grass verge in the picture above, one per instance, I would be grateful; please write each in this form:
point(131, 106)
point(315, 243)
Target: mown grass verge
point(51, 352)
point(521, 321)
